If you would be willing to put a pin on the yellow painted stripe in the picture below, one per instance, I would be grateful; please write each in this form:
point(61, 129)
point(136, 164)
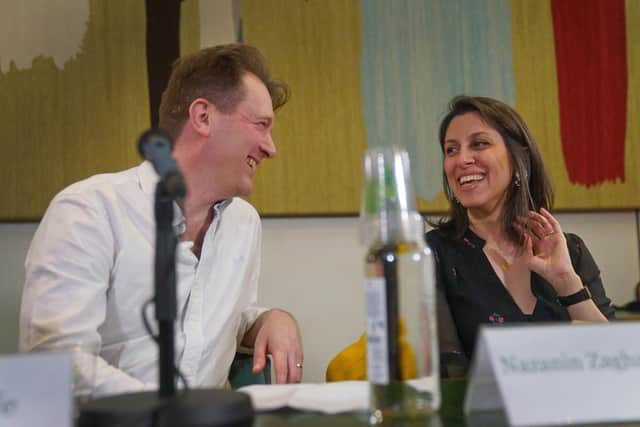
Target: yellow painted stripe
point(189, 26)
point(314, 46)
point(536, 82)
point(632, 140)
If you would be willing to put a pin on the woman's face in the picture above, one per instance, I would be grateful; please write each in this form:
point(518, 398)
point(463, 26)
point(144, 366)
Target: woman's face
point(477, 164)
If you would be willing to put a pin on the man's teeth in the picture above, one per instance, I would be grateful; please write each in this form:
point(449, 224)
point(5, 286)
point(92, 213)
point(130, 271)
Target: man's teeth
point(251, 163)
point(468, 178)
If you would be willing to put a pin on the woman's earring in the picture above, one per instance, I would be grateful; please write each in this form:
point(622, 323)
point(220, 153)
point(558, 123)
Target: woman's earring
point(516, 180)
point(455, 199)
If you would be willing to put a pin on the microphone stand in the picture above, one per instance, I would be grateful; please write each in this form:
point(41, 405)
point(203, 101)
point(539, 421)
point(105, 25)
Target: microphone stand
point(166, 408)
point(165, 289)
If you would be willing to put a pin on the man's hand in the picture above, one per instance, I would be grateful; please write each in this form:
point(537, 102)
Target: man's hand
point(276, 332)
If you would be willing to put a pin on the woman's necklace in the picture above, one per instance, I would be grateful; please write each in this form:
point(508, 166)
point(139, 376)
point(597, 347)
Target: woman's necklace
point(504, 260)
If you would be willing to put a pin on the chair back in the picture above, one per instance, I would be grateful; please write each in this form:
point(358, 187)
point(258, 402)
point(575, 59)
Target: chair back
point(241, 372)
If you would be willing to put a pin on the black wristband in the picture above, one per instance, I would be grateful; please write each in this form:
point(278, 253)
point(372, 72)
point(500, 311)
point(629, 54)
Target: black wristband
point(582, 295)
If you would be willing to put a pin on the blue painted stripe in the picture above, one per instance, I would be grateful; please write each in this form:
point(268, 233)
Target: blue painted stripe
point(417, 55)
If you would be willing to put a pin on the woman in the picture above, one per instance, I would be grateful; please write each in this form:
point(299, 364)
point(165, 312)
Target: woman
point(502, 257)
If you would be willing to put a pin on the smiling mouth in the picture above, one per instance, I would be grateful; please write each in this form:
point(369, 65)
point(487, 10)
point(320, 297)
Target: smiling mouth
point(470, 179)
point(252, 163)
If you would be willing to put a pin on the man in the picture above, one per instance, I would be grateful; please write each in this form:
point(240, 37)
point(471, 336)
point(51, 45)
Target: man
point(89, 269)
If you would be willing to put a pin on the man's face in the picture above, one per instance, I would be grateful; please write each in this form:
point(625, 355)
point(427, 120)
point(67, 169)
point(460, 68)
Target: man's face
point(240, 140)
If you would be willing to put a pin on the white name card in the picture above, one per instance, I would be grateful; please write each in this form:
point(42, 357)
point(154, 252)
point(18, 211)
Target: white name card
point(557, 374)
point(36, 390)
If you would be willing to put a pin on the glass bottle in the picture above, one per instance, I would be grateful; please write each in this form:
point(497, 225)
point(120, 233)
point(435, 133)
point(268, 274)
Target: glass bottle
point(402, 345)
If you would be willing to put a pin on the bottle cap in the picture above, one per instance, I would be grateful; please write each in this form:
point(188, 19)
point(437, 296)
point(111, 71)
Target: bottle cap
point(388, 208)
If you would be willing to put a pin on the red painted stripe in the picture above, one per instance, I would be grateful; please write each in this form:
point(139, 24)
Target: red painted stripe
point(591, 57)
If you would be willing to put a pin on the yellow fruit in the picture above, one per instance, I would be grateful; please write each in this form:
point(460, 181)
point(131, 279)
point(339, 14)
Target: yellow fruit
point(351, 363)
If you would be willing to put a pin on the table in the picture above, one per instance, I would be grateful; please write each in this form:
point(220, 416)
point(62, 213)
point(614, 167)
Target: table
point(627, 315)
point(450, 414)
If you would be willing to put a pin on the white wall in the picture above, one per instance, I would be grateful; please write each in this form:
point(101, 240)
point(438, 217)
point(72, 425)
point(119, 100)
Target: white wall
point(613, 242)
point(313, 267)
point(14, 242)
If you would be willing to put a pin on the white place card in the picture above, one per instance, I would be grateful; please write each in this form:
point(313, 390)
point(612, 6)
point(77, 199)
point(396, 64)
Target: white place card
point(558, 374)
point(36, 390)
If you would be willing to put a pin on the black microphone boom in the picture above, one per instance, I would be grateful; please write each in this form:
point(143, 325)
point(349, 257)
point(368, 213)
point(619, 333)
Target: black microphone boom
point(156, 145)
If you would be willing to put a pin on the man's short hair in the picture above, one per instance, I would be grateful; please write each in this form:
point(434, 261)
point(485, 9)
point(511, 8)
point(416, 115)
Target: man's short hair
point(215, 74)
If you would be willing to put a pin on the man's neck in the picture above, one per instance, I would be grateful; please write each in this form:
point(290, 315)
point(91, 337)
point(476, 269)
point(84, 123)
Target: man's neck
point(201, 192)
point(197, 207)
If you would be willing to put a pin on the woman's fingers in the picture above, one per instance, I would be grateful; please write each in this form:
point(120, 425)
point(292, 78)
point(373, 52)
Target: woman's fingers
point(530, 226)
point(543, 223)
point(555, 225)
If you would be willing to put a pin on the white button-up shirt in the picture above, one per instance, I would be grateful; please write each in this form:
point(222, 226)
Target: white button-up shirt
point(89, 271)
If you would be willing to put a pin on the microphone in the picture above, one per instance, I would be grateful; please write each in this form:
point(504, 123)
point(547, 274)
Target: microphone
point(156, 145)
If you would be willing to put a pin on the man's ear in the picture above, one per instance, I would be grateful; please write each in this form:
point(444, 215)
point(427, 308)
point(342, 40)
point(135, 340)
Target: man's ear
point(200, 118)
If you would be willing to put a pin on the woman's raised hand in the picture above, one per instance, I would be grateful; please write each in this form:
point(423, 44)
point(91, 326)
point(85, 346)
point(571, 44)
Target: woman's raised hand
point(546, 251)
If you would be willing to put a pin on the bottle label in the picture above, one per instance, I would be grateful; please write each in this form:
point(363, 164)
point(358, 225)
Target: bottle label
point(377, 332)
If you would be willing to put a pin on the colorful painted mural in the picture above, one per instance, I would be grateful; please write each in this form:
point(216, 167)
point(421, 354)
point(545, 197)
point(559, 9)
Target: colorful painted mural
point(570, 67)
point(362, 72)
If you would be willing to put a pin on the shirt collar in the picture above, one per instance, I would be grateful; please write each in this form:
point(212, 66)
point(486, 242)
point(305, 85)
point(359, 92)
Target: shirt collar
point(148, 181)
point(179, 223)
point(148, 177)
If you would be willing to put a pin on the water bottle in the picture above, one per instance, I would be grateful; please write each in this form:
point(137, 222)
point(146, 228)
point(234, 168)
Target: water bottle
point(402, 345)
